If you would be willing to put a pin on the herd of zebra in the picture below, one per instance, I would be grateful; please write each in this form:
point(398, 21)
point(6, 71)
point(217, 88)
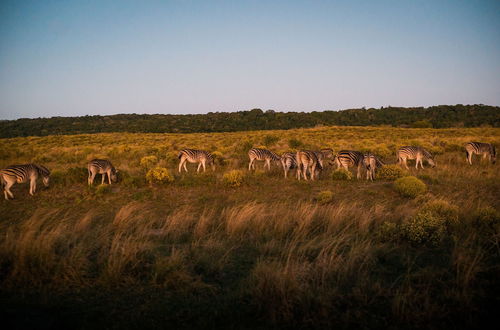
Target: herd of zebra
point(306, 162)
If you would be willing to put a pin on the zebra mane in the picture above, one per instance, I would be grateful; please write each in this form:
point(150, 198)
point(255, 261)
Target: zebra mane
point(42, 170)
point(427, 154)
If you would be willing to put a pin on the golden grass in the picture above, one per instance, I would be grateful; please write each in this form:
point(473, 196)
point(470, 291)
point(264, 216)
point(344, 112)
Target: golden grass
point(267, 251)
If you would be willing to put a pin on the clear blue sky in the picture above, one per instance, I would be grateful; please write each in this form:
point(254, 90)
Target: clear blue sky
point(68, 58)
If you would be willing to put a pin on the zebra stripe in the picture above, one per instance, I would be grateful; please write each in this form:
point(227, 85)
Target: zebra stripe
point(262, 154)
point(101, 166)
point(201, 157)
point(323, 154)
point(288, 161)
point(371, 163)
point(480, 148)
point(23, 173)
point(307, 161)
point(417, 153)
point(350, 158)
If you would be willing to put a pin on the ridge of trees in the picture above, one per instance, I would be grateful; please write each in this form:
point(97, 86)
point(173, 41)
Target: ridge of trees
point(440, 116)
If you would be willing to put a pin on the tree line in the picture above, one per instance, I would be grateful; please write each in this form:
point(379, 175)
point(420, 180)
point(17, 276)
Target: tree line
point(441, 116)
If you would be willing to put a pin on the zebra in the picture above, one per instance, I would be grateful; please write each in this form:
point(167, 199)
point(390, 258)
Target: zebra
point(326, 153)
point(288, 161)
point(417, 153)
point(308, 160)
point(101, 166)
point(262, 154)
point(348, 158)
point(371, 163)
point(201, 157)
point(479, 148)
point(22, 173)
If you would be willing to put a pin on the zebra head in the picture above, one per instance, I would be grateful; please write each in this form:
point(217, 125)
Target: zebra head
point(431, 162)
point(114, 175)
point(45, 173)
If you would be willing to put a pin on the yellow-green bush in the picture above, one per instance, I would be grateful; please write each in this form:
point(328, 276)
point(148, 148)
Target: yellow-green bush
point(390, 172)
point(325, 196)
point(487, 217)
point(159, 175)
point(148, 162)
point(425, 227)
point(410, 186)
point(234, 178)
point(341, 174)
point(440, 208)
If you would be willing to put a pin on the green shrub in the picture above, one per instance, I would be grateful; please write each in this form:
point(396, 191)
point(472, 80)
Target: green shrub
point(270, 140)
point(294, 143)
point(423, 228)
point(341, 174)
point(159, 175)
point(390, 172)
point(233, 178)
point(442, 209)
point(148, 162)
point(324, 197)
point(410, 186)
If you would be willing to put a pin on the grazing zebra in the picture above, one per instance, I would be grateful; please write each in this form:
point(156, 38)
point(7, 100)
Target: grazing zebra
point(348, 158)
point(288, 161)
point(308, 161)
point(101, 166)
point(371, 163)
point(23, 173)
point(262, 154)
point(417, 153)
point(479, 148)
point(323, 154)
point(201, 157)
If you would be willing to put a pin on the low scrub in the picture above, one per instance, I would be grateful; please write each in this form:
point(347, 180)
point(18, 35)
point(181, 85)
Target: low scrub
point(410, 186)
point(233, 178)
point(390, 173)
point(148, 162)
point(324, 197)
point(159, 175)
point(341, 174)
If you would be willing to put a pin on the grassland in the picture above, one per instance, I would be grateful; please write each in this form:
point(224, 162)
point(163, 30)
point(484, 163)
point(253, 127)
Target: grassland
point(268, 253)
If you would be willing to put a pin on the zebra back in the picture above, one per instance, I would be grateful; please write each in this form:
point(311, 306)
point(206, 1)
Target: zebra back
point(289, 160)
point(24, 171)
point(308, 157)
point(195, 155)
point(350, 157)
point(411, 152)
point(263, 154)
point(101, 165)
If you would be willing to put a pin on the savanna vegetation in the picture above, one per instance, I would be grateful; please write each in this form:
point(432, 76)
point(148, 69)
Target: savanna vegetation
point(419, 117)
point(239, 249)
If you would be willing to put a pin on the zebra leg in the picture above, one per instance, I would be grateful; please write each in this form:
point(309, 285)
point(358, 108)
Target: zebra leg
point(358, 173)
point(312, 172)
point(180, 164)
point(250, 164)
point(304, 171)
point(32, 186)
point(204, 169)
point(91, 178)
point(7, 191)
point(109, 176)
point(403, 160)
point(103, 177)
point(268, 163)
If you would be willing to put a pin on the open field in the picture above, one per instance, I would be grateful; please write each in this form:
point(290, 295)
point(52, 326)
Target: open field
point(264, 252)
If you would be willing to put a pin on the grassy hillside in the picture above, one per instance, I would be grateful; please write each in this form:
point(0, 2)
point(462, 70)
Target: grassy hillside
point(436, 116)
point(255, 250)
